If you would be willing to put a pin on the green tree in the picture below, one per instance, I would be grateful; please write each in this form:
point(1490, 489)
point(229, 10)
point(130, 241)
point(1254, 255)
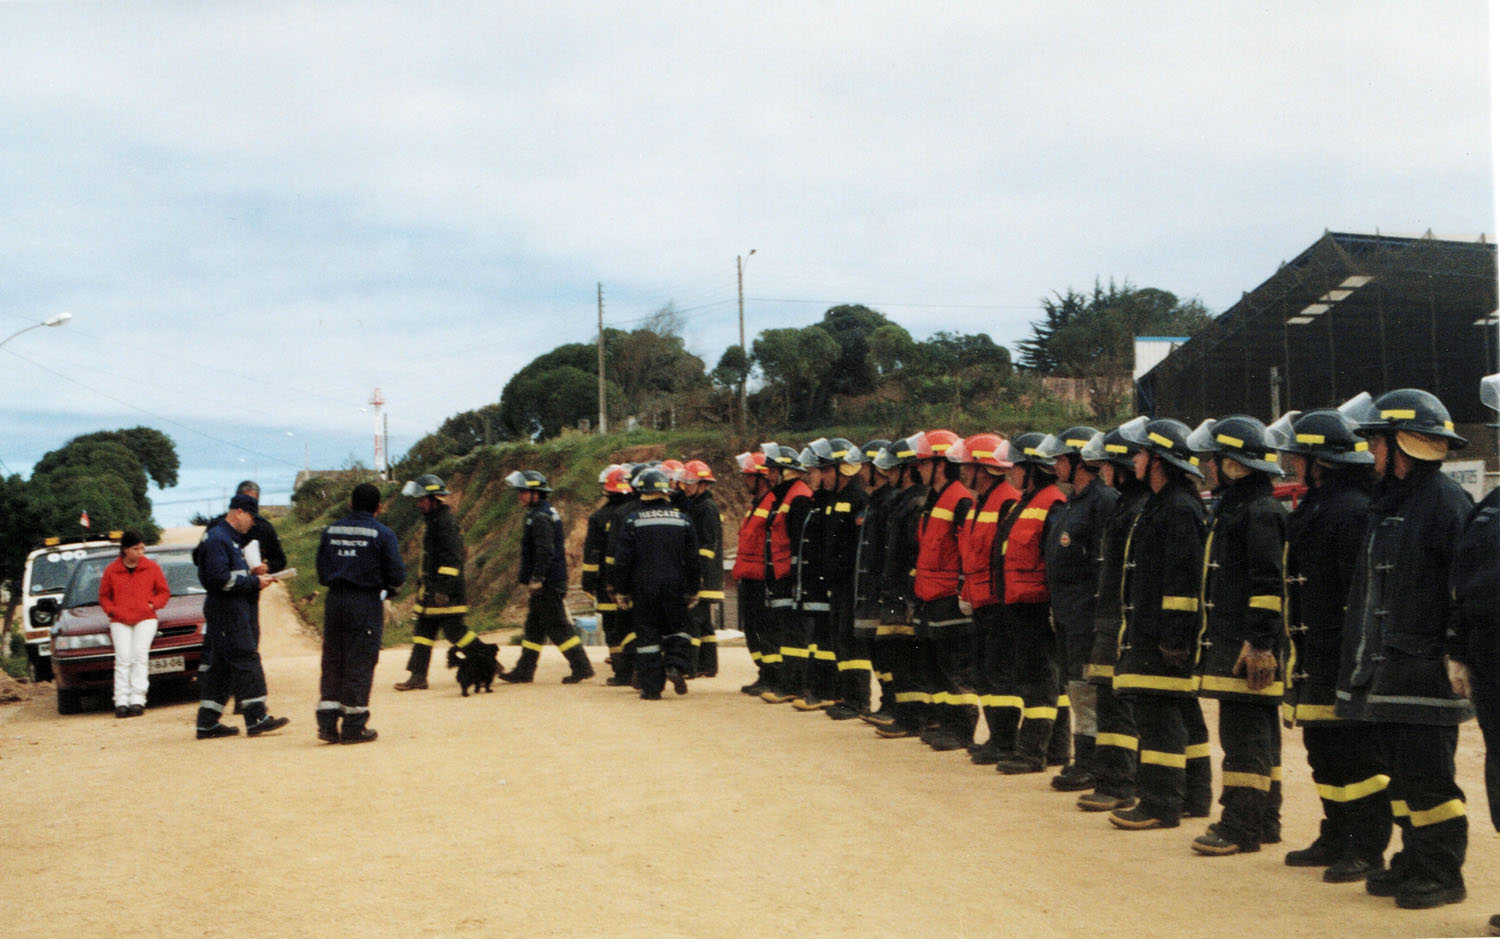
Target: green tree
point(797, 365)
point(851, 326)
point(1085, 335)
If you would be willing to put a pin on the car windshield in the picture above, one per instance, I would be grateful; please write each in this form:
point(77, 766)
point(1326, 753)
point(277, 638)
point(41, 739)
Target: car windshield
point(182, 577)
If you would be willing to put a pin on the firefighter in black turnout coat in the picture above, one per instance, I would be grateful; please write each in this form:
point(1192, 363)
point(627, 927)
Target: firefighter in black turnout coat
point(441, 601)
point(1392, 672)
point(697, 481)
point(656, 576)
point(544, 572)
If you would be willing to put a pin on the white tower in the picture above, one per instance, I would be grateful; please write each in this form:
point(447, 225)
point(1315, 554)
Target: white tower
point(378, 403)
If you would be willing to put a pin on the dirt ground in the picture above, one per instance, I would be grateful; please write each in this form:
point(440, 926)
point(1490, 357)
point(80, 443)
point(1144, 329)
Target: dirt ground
point(546, 809)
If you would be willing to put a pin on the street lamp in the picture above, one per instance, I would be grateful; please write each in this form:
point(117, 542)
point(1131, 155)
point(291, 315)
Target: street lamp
point(739, 271)
point(57, 319)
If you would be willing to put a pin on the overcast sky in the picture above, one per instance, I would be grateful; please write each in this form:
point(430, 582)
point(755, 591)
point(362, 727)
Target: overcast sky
point(258, 212)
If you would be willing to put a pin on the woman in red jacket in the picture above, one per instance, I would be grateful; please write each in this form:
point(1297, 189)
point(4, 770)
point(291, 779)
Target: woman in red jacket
point(131, 591)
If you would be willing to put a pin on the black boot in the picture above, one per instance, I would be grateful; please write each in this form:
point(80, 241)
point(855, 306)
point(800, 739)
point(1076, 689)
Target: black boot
point(209, 725)
point(1079, 775)
point(355, 730)
point(524, 669)
point(579, 661)
point(328, 724)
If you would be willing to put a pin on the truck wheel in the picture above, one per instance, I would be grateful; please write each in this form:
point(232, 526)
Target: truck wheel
point(69, 701)
point(38, 667)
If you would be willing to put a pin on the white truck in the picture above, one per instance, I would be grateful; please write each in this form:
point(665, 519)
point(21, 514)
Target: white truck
point(48, 569)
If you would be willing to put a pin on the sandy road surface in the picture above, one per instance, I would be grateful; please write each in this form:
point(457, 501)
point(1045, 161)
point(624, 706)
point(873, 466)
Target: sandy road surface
point(550, 810)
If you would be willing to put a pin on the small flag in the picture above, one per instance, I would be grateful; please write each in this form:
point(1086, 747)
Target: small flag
point(83, 519)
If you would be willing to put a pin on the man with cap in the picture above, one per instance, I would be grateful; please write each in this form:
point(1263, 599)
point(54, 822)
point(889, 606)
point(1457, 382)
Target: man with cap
point(441, 600)
point(1399, 623)
point(231, 661)
point(544, 573)
point(359, 561)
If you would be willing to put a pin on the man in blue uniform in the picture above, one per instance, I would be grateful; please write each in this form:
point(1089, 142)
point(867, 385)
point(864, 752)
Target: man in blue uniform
point(656, 575)
point(359, 561)
point(231, 661)
point(544, 572)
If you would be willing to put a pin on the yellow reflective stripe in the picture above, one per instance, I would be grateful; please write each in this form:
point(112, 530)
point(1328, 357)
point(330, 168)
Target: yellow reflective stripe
point(467, 638)
point(913, 697)
point(629, 638)
point(1398, 414)
point(1034, 513)
point(1164, 441)
point(1266, 601)
point(1156, 682)
point(447, 572)
point(533, 646)
point(1313, 712)
point(606, 607)
point(1453, 808)
point(1099, 671)
point(705, 552)
point(1158, 758)
point(589, 568)
point(856, 665)
point(441, 610)
point(771, 658)
point(940, 697)
point(422, 641)
point(609, 559)
point(1122, 741)
point(826, 655)
point(756, 657)
point(1039, 713)
point(1276, 774)
point(1002, 701)
point(1197, 751)
point(1231, 441)
point(1234, 780)
point(697, 642)
point(1311, 438)
point(1063, 701)
point(1240, 686)
point(895, 631)
point(762, 513)
point(793, 652)
point(575, 641)
point(709, 638)
point(941, 513)
point(1354, 791)
point(842, 507)
point(710, 595)
point(1180, 604)
point(886, 677)
point(967, 699)
point(988, 518)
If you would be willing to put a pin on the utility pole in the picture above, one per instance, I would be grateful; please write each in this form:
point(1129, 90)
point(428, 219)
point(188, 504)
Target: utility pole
point(739, 272)
point(603, 428)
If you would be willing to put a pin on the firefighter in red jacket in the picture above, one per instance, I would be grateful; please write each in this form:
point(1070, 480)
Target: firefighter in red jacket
point(945, 634)
point(1027, 612)
point(749, 570)
point(984, 459)
point(794, 499)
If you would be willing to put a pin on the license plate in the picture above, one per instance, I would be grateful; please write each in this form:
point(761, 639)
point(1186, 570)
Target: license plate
point(171, 663)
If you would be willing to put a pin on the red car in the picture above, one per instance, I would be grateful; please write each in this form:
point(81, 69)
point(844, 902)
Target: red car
point(83, 657)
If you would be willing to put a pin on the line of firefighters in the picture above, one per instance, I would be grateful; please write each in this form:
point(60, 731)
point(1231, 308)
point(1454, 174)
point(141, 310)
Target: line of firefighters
point(1084, 625)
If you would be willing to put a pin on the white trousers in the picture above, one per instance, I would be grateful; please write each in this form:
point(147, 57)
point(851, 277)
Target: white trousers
point(132, 650)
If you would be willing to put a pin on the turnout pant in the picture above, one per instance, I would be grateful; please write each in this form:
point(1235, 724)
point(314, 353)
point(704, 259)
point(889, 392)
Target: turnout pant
point(999, 699)
point(1036, 676)
point(1426, 801)
point(785, 670)
point(231, 661)
point(547, 619)
point(1175, 777)
point(822, 657)
point(621, 640)
point(1250, 733)
point(705, 641)
point(899, 646)
point(424, 637)
point(353, 621)
point(1352, 785)
point(852, 649)
point(664, 638)
point(132, 660)
point(754, 617)
point(1082, 696)
point(1115, 745)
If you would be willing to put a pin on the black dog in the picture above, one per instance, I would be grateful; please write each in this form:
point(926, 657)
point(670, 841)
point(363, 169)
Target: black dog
point(476, 664)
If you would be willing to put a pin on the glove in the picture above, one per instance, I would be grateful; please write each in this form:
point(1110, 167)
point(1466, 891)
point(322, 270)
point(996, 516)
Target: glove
point(1257, 665)
point(692, 600)
point(1176, 657)
point(624, 600)
point(440, 599)
point(965, 607)
point(1458, 677)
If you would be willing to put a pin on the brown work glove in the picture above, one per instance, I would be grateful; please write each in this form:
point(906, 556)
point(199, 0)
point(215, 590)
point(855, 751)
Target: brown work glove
point(1257, 665)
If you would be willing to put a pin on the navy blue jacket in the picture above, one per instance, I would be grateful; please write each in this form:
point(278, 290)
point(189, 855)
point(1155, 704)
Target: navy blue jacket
point(657, 552)
point(542, 557)
point(359, 553)
point(233, 592)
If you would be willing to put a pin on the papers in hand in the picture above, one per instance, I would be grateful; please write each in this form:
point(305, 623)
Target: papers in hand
point(287, 574)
